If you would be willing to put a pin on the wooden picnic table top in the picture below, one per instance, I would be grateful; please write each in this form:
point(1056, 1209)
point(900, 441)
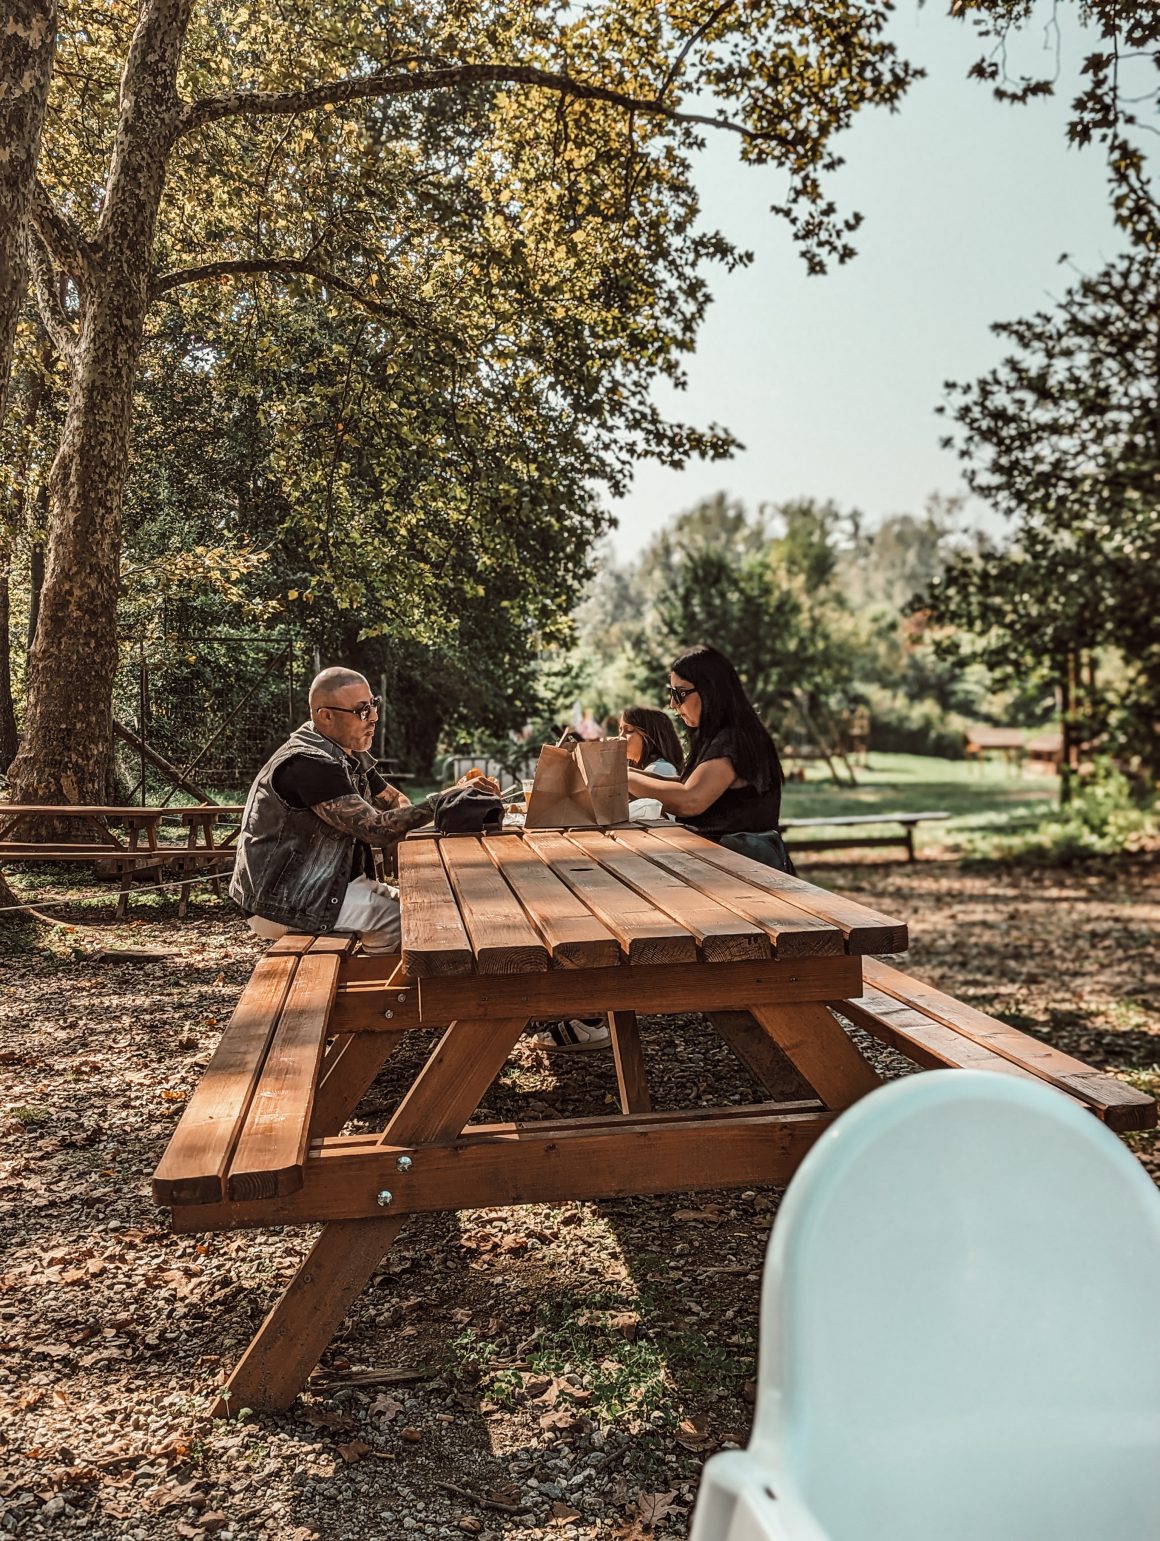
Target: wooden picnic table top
point(535, 901)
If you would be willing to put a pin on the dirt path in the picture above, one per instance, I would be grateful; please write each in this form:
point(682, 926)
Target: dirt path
point(552, 1372)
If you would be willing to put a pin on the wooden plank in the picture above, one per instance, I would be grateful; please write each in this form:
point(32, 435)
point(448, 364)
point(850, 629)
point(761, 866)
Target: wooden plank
point(291, 944)
point(765, 1060)
point(272, 1146)
point(375, 1008)
point(792, 931)
point(434, 939)
point(644, 933)
point(502, 937)
point(722, 935)
point(544, 1164)
point(1122, 1107)
point(865, 930)
point(815, 1043)
point(573, 935)
point(631, 1074)
point(655, 988)
point(338, 942)
point(927, 1042)
point(193, 1168)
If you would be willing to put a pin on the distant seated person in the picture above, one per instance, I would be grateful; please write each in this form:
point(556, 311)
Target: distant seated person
point(731, 783)
point(652, 741)
point(316, 808)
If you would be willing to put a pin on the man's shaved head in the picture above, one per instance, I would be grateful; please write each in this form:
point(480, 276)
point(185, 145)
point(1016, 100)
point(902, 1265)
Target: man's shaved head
point(326, 686)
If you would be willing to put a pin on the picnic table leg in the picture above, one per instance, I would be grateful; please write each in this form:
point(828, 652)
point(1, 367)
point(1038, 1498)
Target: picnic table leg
point(816, 1044)
point(289, 1343)
point(352, 1062)
point(909, 841)
point(215, 882)
point(631, 1075)
point(765, 1060)
point(186, 872)
point(127, 874)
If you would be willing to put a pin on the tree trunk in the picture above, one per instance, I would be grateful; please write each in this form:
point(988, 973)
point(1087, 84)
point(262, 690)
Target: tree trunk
point(66, 754)
point(8, 737)
point(1065, 709)
point(27, 46)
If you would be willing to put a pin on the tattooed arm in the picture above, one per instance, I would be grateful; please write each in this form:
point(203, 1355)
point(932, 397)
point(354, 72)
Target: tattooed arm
point(371, 821)
point(391, 797)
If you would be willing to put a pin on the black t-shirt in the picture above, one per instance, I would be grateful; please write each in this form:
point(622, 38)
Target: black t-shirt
point(302, 781)
point(739, 810)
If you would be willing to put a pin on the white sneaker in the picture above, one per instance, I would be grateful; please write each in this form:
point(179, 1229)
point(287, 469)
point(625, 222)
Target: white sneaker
point(574, 1036)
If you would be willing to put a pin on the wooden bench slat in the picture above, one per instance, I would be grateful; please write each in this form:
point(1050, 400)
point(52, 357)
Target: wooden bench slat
point(927, 1042)
point(193, 1168)
point(721, 933)
point(864, 930)
point(792, 932)
point(1121, 1107)
point(270, 1151)
point(645, 934)
point(503, 939)
point(573, 935)
point(434, 939)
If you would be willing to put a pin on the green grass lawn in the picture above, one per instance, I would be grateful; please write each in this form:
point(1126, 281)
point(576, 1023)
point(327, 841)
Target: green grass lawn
point(987, 797)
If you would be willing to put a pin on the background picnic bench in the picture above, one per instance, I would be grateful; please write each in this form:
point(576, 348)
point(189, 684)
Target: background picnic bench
point(109, 839)
point(907, 821)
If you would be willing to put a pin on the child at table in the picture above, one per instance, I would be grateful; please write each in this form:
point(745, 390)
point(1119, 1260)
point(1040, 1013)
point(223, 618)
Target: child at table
point(652, 740)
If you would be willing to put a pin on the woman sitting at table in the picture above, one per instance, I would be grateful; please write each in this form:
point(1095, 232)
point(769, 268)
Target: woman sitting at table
point(652, 740)
point(731, 782)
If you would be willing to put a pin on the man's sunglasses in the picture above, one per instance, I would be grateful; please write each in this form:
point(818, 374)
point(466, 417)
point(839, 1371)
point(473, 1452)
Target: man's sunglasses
point(362, 711)
point(677, 693)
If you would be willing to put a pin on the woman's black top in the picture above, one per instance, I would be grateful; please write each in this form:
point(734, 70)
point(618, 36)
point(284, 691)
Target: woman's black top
point(750, 809)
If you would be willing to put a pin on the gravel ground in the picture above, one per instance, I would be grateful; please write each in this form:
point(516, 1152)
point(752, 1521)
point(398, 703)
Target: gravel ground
point(530, 1372)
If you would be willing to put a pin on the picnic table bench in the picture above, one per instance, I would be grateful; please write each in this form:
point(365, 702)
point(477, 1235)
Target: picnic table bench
point(856, 820)
point(496, 931)
point(205, 845)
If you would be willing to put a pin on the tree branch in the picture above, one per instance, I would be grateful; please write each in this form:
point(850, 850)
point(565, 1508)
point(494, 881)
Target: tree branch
point(48, 300)
point(287, 267)
point(451, 77)
point(62, 238)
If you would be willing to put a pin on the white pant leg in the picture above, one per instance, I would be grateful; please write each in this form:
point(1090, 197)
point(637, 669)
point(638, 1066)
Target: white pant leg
point(372, 909)
point(268, 930)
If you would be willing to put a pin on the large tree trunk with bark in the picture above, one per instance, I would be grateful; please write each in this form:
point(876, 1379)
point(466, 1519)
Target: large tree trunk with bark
point(66, 754)
point(27, 46)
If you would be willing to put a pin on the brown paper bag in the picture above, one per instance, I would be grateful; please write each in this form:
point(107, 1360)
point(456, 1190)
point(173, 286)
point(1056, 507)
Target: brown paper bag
point(582, 787)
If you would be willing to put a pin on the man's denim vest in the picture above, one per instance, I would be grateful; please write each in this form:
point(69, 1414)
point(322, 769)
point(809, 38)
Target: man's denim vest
point(291, 867)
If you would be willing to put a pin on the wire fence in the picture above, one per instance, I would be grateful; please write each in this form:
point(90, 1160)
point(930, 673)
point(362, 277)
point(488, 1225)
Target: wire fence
point(200, 715)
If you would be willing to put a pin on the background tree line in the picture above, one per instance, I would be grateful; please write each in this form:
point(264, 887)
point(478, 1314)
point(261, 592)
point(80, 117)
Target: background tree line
point(345, 324)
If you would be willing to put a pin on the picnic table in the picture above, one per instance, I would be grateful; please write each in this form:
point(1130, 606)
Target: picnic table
point(205, 845)
point(497, 931)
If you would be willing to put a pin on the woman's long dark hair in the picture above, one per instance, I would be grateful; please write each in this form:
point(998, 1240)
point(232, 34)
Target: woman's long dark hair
point(660, 737)
point(724, 705)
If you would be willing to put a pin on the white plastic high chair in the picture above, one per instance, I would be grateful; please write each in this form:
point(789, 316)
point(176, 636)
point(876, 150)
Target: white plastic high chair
point(960, 1330)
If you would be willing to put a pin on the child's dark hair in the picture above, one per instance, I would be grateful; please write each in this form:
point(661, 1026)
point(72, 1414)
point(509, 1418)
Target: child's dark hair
point(724, 705)
point(660, 737)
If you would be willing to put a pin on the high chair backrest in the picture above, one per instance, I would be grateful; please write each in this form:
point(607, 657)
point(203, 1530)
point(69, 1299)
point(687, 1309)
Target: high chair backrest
point(960, 1315)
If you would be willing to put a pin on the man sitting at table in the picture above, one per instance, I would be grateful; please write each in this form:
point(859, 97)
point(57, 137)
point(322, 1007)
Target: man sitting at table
point(304, 859)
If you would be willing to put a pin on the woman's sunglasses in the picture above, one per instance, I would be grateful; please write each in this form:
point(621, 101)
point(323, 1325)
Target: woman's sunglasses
point(678, 693)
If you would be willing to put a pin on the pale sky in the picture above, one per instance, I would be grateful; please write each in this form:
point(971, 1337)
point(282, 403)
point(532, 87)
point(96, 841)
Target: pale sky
point(831, 382)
